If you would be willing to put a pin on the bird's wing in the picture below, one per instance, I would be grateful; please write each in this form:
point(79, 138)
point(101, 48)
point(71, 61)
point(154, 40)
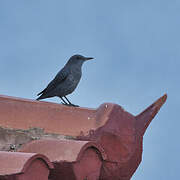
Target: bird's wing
point(59, 78)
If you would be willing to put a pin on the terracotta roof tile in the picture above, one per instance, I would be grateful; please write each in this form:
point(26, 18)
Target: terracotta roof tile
point(52, 117)
point(16, 162)
point(113, 138)
point(61, 150)
point(72, 159)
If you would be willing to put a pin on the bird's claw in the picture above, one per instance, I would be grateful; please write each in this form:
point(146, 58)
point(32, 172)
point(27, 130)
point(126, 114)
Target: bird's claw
point(73, 105)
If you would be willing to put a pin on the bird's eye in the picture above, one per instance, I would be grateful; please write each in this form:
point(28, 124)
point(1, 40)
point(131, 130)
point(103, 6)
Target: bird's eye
point(78, 57)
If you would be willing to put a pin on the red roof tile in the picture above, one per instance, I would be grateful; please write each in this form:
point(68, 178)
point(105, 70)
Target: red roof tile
point(116, 136)
point(80, 159)
point(21, 113)
point(61, 150)
point(16, 162)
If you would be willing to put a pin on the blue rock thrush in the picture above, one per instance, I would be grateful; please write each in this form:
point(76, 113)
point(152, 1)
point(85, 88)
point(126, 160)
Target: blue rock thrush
point(66, 80)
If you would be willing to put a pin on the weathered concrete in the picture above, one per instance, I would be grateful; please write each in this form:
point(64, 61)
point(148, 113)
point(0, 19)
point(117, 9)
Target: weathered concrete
point(13, 139)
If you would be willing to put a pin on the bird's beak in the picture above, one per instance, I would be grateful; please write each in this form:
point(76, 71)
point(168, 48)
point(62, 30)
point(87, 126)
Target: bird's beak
point(88, 58)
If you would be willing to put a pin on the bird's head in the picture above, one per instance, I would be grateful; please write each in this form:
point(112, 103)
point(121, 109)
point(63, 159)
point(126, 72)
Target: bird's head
point(78, 59)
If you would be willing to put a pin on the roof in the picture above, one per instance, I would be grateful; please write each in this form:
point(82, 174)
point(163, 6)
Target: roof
point(61, 150)
point(109, 136)
point(16, 162)
point(52, 117)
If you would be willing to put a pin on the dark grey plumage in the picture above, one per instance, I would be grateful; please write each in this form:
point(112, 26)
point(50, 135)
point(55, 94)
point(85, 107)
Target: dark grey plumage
point(66, 80)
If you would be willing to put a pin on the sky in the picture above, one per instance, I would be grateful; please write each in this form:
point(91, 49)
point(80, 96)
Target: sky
point(136, 46)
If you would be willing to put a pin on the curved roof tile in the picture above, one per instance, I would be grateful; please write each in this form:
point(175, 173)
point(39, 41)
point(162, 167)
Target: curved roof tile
point(61, 150)
point(18, 162)
point(52, 117)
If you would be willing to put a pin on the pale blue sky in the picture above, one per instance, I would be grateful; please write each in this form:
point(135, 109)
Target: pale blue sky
point(136, 46)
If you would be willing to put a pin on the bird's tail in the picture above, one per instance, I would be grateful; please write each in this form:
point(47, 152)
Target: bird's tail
point(42, 96)
point(40, 93)
point(38, 98)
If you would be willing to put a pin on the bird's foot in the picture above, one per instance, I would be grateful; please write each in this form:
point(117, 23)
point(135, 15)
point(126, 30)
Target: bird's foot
point(73, 105)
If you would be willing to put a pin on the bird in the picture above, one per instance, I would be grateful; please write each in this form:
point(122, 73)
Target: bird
point(66, 80)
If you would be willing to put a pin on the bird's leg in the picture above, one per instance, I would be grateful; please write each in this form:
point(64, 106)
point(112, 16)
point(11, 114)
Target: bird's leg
point(67, 104)
point(70, 102)
point(67, 100)
point(64, 102)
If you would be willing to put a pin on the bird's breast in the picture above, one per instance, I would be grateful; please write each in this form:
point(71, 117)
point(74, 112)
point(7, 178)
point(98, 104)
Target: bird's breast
point(74, 77)
point(69, 84)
